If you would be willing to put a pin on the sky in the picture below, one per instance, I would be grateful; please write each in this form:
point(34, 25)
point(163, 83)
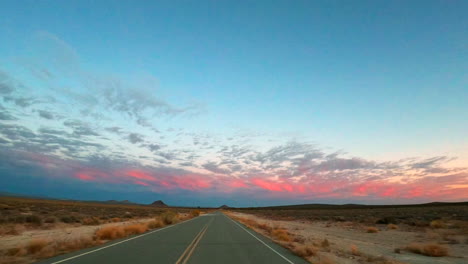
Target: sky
point(244, 103)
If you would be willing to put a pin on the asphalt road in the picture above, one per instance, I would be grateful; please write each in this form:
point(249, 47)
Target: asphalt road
point(211, 238)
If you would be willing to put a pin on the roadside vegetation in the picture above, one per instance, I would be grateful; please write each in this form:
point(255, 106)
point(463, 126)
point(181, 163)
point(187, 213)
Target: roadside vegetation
point(33, 229)
point(379, 235)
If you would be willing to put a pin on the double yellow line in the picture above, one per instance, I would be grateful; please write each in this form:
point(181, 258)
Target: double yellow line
point(189, 250)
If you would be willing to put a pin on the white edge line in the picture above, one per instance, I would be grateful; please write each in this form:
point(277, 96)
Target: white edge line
point(260, 240)
point(120, 242)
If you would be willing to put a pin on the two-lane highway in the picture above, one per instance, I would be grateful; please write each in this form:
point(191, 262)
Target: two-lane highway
point(210, 238)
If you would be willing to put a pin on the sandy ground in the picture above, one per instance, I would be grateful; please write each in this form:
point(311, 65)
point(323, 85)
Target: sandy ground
point(342, 235)
point(61, 232)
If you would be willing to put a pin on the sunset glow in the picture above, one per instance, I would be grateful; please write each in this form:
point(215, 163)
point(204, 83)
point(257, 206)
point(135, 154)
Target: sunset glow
point(214, 108)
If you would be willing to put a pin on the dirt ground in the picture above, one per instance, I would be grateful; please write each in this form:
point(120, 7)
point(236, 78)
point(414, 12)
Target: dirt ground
point(350, 241)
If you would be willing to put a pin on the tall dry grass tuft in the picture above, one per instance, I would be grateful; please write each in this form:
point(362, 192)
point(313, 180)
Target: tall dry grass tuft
point(35, 245)
point(135, 229)
point(281, 234)
point(305, 251)
point(157, 223)
point(110, 232)
point(432, 250)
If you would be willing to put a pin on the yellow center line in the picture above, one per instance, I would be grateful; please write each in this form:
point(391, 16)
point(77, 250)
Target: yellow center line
point(194, 246)
point(189, 250)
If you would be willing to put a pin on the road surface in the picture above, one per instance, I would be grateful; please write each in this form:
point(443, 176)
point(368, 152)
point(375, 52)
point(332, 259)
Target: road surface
point(210, 238)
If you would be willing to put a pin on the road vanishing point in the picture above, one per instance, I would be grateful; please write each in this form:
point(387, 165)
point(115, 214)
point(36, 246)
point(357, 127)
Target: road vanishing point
point(210, 238)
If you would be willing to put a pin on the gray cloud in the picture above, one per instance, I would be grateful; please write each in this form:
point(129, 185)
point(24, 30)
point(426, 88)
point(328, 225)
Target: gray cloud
point(46, 114)
point(213, 167)
point(5, 115)
point(135, 138)
point(80, 128)
point(21, 101)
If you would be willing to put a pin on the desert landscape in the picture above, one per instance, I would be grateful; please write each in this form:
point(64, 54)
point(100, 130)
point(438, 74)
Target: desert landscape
point(34, 229)
point(416, 234)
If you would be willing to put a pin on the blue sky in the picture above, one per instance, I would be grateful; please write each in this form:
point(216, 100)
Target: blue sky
point(255, 95)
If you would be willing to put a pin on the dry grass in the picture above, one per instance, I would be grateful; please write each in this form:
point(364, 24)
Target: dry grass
point(110, 232)
point(305, 251)
point(195, 213)
point(432, 250)
point(135, 229)
point(281, 234)
point(325, 260)
point(36, 245)
point(157, 223)
point(372, 229)
point(90, 221)
point(392, 226)
point(437, 224)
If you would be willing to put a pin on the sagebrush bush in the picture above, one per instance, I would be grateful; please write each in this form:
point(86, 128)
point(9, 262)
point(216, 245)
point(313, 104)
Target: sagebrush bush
point(169, 217)
point(432, 250)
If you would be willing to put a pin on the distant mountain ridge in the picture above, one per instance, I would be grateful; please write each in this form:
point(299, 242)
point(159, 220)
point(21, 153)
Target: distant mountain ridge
point(355, 206)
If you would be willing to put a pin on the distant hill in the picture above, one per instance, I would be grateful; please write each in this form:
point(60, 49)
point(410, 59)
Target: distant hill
point(158, 203)
point(119, 202)
point(355, 206)
point(224, 207)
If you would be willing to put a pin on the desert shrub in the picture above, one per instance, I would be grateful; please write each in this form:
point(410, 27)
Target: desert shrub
point(325, 243)
point(135, 229)
point(437, 224)
point(372, 229)
point(110, 232)
point(195, 213)
point(115, 220)
point(20, 219)
point(90, 221)
point(305, 251)
point(265, 226)
point(155, 224)
point(299, 239)
point(127, 215)
point(68, 219)
point(432, 250)
point(50, 220)
point(281, 234)
point(36, 245)
point(392, 226)
point(169, 217)
point(386, 220)
point(34, 219)
point(355, 250)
